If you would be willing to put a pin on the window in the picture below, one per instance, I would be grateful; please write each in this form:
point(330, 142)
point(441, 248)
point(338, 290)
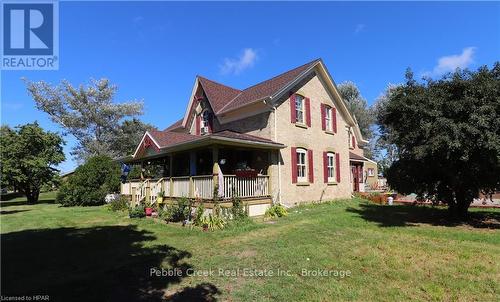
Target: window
point(205, 122)
point(330, 166)
point(299, 108)
point(328, 118)
point(301, 165)
point(371, 172)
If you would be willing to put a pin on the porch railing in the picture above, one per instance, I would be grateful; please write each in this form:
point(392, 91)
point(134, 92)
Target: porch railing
point(195, 187)
point(246, 187)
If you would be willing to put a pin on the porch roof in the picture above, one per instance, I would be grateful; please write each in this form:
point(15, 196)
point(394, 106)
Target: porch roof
point(168, 141)
point(355, 157)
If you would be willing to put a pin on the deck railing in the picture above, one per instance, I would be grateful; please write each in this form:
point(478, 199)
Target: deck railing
point(195, 187)
point(246, 187)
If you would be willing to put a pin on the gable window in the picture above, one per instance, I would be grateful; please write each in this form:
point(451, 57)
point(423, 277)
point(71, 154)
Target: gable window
point(328, 118)
point(205, 122)
point(330, 156)
point(301, 165)
point(299, 108)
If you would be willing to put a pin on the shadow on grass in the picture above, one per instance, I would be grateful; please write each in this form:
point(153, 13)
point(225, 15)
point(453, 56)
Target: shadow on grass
point(12, 212)
point(411, 215)
point(108, 263)
point(6, 200)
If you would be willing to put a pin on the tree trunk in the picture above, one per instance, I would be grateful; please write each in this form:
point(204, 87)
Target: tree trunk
point(459, 207)
point(32, 196)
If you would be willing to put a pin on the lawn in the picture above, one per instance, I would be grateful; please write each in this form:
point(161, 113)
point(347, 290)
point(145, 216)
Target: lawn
point(388, 252)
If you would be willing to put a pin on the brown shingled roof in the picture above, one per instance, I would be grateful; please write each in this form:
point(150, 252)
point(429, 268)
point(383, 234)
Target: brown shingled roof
point(218, 95)
point(168, 138)
point(356, 157)
point(175, 125)
point(266, 88)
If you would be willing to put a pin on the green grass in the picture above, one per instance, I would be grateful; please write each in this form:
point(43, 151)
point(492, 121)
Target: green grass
point(393, 253)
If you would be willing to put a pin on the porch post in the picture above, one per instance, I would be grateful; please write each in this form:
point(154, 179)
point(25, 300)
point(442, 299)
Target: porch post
point(171, 186)
point(215, 169)
point(269, 173)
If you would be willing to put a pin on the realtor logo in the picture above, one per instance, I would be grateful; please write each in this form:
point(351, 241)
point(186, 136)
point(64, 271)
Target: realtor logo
point(30, 35)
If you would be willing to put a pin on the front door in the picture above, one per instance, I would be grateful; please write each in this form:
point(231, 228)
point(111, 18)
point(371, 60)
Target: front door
point(355, 178)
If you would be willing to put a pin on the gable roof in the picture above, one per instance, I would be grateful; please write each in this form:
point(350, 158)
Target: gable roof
point(224, 99)
point(266, 88)
point(174, 126)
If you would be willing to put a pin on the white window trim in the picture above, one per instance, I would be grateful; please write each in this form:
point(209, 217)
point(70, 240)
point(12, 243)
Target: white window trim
point(328, 118)
point(331, 166)
point(299, 164)
point(371, 172)
point(302, 100)
point(204, 124)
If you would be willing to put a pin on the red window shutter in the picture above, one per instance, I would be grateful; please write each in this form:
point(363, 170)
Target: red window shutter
point(325, 167)
point(308, 112)
point(323, 117)
point(337, 165)
point(197, 125)
point(353, 141)
point(294, 164)
point(293, 113)
point(334, 119)
point(310, 165)
point(360, 174)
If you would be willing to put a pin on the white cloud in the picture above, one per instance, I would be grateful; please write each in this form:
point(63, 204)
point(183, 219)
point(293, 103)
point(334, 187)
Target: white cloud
point(237, 65)
point(359, 28)
point(452, 62)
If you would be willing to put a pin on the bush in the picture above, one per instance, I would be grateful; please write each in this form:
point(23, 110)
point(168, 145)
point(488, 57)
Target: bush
point(90, 183)
point(276, 210)
point(238, 210)
point(137, 212)
point(178, 211)
point(198, 215)
point(213, 222)
point(119, 204)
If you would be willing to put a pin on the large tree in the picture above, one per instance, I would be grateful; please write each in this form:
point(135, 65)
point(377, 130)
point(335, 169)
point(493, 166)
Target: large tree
point(28, 158)
point(127, 136)
point(86, 112)
point(358, 105)
point(447, 134)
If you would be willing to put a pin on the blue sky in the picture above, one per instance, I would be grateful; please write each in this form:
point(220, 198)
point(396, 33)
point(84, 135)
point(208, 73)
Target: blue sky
point(154, 50)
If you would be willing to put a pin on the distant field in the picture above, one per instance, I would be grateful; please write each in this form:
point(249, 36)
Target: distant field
point(392, 253)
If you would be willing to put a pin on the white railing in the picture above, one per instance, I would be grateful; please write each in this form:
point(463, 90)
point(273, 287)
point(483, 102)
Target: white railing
point(203, 186)
point(246, 187)
point(181, 186)
point(196, 187)
point(155, 188)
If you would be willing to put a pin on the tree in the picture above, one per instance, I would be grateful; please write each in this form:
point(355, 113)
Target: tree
point(447, 134)
point(128, 135)
point(87, 113)
point(358, 106)
point(90, 183)
point(28, 156)
point(384, 152)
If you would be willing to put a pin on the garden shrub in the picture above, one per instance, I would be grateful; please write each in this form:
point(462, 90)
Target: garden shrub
point(238, 210)
point(119, 204)
point(90, 183)
point(137, 212)
point(276, 210)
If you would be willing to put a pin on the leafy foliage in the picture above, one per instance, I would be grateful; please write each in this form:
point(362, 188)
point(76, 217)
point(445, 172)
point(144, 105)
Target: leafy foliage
point(90, 183)
point(119, 204)
point(89, 114)
point(447, 134)
point(238, 210)
point(137, 212)
point(276, 210)
point(358, 106)
point(28, 156)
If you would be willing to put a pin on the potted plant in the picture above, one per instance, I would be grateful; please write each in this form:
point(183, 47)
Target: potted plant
point(159, 197)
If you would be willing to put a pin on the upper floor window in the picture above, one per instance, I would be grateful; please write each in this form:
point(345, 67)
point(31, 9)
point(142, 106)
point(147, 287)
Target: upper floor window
point(205, 123)
point(330, 156)
point(299, 108)
point(351, 140)
point(301, 165)
point(328, 118)
point(371, 172)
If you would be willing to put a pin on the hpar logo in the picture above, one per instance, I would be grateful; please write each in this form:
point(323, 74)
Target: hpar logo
point(30, 35)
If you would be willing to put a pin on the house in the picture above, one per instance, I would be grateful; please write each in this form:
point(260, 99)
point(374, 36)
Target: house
point(288, 140)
